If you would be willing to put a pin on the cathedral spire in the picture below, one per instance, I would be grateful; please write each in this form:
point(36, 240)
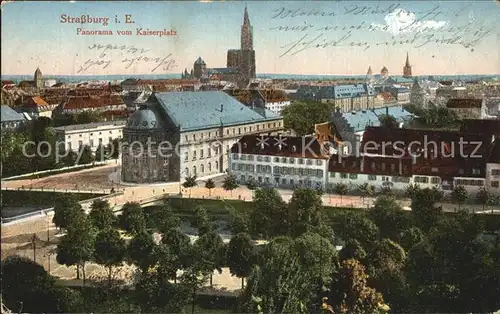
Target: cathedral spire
point(407, 60)
point(246, 20)
point(246, 33)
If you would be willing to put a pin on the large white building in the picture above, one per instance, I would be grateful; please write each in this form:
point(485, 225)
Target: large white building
point(197, 128)
point(90, 134)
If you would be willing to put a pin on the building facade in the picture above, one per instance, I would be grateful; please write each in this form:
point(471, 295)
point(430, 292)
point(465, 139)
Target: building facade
point(345, 97)
point(90, 134)
point(11, 120)
point(197, 130)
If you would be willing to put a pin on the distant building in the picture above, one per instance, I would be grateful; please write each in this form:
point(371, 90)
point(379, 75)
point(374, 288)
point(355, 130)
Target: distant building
point(38, 79)
point(345, 97)
point(407, 68)
point(11, 120)
point(384, 72)
point(35, 106)
point(199, 68)
point(466, 108)
point(91, 134)
point(400, 93)
point(418, 96)
point(273, 100)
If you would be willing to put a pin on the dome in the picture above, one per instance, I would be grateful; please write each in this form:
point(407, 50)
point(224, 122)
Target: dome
point(200, 61)
point(144, 118)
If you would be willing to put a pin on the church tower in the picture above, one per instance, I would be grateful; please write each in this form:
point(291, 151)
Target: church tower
point(369, 75)
point(246, 33)
point(407, 67)
point(38, 79)
point(247, 54)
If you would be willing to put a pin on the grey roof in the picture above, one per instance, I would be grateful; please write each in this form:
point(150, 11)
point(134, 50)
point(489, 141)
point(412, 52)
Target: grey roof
point(398, 112)
point(337, 91)
point(199, 110)
point(361, 119)
point(9, 114)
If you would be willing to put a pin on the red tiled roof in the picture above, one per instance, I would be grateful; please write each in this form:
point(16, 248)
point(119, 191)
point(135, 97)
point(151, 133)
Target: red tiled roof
point(92, 102)
point(464, 103)
point(297, 147)
point(387, 96)
point(7, 83)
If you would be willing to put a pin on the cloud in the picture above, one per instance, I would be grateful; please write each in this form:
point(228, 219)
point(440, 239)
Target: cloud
point(403, 21)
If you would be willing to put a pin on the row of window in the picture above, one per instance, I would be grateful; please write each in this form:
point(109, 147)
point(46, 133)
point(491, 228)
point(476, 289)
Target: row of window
point(245, 130)
point(469, 182)
point(425, 180)
point(284, 181)
point(91, 143)
point(194, 170)
point(92, 134)
point(289, 160)
point(216, 150)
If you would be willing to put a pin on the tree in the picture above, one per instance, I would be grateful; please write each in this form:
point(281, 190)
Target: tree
point(304, 210)
point(424, 210)
point(366, 190)
point(164, 218)
point(388, 121)
point(317, 256)
point(132, 218)
point(230, 183)
point(389, 217)
point(70, 159)
point(110, 249)
point(386, 190)
point(86, 156)
point(411, 237)
point(209, 252)
point(269, 216)
point(202, 221)
point(189, 182)
point(239, 222)
point(101, 215)
point(114, 148)
point(483, 196)
point(77, 246)
point(66, 211)
point(141, 250)
point(411, 190)
point(209, 185)
point(352, 250)
point(251, 185)
point(101, 153)
point(179, 250)
point(302, 116)
point(241, 256)
point(459, 195)
point(350, 293)
point(28, 288)
point(341, 189)
point(358, 227)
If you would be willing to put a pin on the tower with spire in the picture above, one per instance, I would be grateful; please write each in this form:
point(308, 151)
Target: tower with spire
point(247, 54)
point(369, 75)
point(407, 67)
point(38, 79)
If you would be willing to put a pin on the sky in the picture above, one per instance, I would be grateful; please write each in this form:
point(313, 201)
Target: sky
point(33, 36)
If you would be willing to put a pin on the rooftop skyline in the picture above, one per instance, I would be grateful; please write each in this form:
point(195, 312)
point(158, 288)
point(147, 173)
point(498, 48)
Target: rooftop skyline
point(288, 37)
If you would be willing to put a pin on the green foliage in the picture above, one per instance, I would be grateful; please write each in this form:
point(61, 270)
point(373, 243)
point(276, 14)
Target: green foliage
point(459, 195)
point(114, 148)
point(352, 250)
point(411, 190)
point(358, 227)
point(141, 250)
point(302, 116)
point(210, 184)
point(410, 237)
point(164, 218)
point(110, 249)
point(202, 221)
point(251, 184)
point(209, 252)
point(239, 222)
point(86, 156)
point(102, 153)
point(341, 189)
point(303, 211)
point(67, 211)
point(132, 218)
point(388, 121)
point(483, 196)
point(101, 215)
point(189, 182)
point(230, 183)
point(179, 246)
point(21, 198)
point(349, 290)
point(70, 158)
point(389, 217)
point(241, 255)
point(366, 189)
point(424, 211)
point(27, 288)
point(269, 215)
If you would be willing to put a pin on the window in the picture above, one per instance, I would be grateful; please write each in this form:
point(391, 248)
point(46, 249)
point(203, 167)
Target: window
point(239, 130)
point(309, 162)
point(235, 156)
point(301, 161)
point(372, 177)
point(216, 165)
point(186, 156)
point(202, 168)
point(91, 143)
point(243, 157)
point(209, 167)
point(187, 139)
point(291, 160)
point(267, 159)
point(250, 157)
point(495, 172)
point(276, 159)
point(353, 176)
point(434, 170)
point(283, 160)
point(319, 162)
point(100, 141)
point(186, 172)
point(201, 154)
point(476, 171)
point(209, 152)
point(80, 144)
point(495, 184)
point(421, 180)
point(344, 175)
point(435, 180)
point(245, 130)
point(332, 174)
point(194, 155)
